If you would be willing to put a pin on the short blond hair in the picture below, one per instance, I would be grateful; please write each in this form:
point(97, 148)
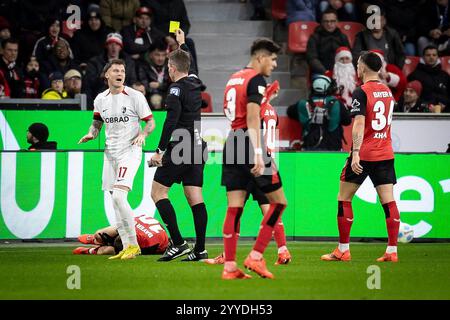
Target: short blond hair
point(181, 60)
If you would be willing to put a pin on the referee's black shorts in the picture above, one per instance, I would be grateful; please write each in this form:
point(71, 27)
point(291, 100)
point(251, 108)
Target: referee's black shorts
point(188, 174)
point(238, 158)
point(380, 172)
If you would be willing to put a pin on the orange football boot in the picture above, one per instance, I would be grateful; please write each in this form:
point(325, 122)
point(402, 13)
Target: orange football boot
point(81, 250)
point(337, 255)
point(284, 258)
point(258, 266)
point(388, 257)
point(87, 239)
point(220, 259)
point(238, 274)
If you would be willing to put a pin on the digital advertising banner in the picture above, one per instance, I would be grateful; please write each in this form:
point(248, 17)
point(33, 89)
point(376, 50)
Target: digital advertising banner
point(58, 195)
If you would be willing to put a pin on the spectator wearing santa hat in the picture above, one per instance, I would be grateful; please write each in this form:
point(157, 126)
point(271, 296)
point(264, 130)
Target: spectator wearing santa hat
point(392, 76)
point(344, 74)
point(93, 82)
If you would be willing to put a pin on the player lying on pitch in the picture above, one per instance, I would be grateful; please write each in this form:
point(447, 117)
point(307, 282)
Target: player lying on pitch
point(151, 238)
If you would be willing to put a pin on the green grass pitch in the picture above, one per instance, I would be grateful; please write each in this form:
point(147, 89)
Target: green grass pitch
point(40, 272)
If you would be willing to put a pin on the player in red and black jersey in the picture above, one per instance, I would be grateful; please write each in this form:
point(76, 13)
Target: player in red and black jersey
point(371, 156)
point(151, 238)
point(244, 161)
point(269, 121)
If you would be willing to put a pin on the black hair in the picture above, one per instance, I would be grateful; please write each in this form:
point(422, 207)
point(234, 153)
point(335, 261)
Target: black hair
point(330, 10)
point(118, 246)
point(159, 45)
point(9, 40)
point(371, 60)
point(429, 47)
point(264, 44)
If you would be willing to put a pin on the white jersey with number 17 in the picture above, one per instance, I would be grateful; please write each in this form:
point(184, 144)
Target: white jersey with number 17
point(121, 114)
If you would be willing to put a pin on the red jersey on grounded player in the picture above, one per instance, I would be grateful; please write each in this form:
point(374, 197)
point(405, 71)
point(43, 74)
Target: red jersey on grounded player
point(375, 101)
point(269, 118)
point(244, 86)
point(149, 232)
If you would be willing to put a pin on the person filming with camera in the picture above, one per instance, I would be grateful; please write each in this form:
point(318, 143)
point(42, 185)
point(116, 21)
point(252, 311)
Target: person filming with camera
point(322, 116)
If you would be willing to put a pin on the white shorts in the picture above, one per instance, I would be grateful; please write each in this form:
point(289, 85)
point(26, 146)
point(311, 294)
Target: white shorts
point(121, 171)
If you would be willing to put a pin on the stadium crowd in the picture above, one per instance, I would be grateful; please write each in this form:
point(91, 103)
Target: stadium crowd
point(419, 38)
point(44, 56)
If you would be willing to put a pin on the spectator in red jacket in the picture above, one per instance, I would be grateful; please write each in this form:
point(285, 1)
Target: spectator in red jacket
point(4, 87)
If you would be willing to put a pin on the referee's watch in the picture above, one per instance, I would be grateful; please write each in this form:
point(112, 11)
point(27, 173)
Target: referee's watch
point(159, 151)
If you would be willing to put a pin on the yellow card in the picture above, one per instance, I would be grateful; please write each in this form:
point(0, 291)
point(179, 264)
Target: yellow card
point(174, 25)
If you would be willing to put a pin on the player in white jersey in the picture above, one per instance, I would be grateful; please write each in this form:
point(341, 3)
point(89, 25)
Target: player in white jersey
point(121, 109)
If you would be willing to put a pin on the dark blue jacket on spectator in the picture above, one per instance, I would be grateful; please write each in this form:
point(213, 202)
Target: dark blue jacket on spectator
point(435, 83)
point(301, 10)
point(322, 47)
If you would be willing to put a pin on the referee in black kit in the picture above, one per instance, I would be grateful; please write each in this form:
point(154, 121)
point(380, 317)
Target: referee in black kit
point(179, 156)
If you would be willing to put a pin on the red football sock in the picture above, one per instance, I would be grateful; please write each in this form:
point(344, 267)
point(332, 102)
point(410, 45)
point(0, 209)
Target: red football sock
point(270, 219)
point(231, 227)
point(279, 235)
point(345, 220)
point(392, 222)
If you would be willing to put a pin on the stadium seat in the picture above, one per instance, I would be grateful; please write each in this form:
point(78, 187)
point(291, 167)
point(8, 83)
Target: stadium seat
point(410, 65)
point(445, 63)
point(207, 97)
point(290, 129)
point(299, 33)
point(279, 9)
point(350, 29)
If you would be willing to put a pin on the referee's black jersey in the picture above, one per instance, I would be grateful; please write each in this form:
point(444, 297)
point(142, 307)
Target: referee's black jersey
point(183, 103)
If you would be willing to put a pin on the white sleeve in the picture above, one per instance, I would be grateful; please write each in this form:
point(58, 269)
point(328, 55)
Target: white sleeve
point(96, 105)
point(142, 108)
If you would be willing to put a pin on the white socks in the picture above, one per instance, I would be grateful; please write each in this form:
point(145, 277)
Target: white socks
point(119, 225)
point(391, 249)
point(282, 249)
point(344, 247)
point(125, 213)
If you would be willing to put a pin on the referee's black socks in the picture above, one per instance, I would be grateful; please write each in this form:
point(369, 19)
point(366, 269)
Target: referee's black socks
point(200, 222)
point(167, 213)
